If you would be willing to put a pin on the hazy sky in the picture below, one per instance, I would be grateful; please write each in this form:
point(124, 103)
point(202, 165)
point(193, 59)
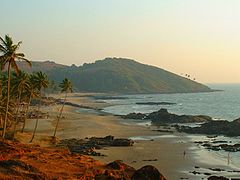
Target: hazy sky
point(198, 37)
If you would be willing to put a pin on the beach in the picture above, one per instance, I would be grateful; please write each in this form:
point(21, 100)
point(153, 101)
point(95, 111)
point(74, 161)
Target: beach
point(162, 150)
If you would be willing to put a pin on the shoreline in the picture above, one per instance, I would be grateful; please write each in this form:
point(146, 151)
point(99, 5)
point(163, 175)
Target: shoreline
point(166, 152)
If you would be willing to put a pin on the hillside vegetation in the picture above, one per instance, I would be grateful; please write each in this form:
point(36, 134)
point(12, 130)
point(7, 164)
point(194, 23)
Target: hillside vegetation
point(120, 75)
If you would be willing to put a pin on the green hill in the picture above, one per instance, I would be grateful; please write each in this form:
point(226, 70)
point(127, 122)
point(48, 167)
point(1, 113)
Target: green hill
point(119, 75)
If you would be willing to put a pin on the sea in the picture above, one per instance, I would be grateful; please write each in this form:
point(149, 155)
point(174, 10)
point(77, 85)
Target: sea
point(220, 105)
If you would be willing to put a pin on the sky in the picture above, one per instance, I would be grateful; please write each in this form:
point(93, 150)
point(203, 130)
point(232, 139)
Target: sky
point(196, 37)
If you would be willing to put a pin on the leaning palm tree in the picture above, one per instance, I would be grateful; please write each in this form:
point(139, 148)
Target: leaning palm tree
point(29, 94)
point(8, 57)
point(40, 82)
point(66, 87)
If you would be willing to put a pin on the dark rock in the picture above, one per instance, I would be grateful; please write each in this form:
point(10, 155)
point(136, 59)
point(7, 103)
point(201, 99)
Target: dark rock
point(225, 147)
point(87, 146)
point(150, 160)
point(216, 169)
point(219, 127)
point(195, 172)
point(155, 103)
point(148, 173)
point(122, 142)
point(120, 166)
point(217, 178)
point(163, 116)
point(134, 116)
point(207, 174)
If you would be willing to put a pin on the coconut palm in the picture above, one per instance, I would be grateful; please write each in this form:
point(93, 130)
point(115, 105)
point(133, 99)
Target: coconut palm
point(31, 92)
point(3, 82)
point(40, 81)
point(9, 56)
point(20, 84)
point(66, 87)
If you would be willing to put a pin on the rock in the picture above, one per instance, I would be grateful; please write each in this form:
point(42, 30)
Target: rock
point(155, 103)
point(216, 169)
point(150, 160)
point(87, 146)
point(219, 127)
point(148, 173)
point(122, 142)
point(134, 116)
point(195, 172)
point(119, 165)
point(164, 117)
point(217, 178)
point(207, 174)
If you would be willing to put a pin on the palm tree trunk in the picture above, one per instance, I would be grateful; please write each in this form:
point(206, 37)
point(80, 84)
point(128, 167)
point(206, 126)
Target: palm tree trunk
point(17, 110)
point(18, 103)
point(8, 98)
point(60, 116)
point(36, 124)
point(26, 114)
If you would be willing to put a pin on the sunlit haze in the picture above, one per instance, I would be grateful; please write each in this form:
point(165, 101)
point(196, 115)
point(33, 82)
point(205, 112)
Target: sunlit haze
point(200, 37)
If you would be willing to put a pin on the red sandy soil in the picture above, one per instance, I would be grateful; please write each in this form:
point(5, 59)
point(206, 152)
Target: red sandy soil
point(24, 161)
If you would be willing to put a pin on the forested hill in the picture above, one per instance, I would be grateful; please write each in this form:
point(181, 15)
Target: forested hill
point(117, 75)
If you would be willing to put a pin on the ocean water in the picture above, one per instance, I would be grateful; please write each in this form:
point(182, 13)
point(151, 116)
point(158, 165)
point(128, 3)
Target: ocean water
point(219, 105)
point(223, 105)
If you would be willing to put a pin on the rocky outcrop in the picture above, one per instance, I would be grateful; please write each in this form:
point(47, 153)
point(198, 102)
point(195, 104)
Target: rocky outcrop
point(221, 145)
point(147, 172)
point(87, 146)
point(21, 161)
point(134, 116)
point(214, 128)
point(164, 117)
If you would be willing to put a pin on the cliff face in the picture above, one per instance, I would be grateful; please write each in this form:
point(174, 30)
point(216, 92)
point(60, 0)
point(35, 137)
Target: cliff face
point(20, 161)
point(119, 75)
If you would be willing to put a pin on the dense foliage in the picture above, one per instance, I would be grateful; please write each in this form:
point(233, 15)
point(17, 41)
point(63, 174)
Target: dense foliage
point(120, 76)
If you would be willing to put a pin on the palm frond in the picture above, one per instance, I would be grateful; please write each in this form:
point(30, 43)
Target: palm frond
point(4, 44)
point(8, 41)
point(2, 49)
point(26, 60)
point(15, 66)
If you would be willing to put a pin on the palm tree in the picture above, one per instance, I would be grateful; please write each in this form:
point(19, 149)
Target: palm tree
point(40, 82)
point(3, 82)
point(9, 57)
point(66, 87)
point(20, 84)
point(31, 92)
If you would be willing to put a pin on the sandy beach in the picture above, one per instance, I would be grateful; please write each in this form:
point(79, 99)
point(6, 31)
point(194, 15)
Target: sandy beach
point(163, 150)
